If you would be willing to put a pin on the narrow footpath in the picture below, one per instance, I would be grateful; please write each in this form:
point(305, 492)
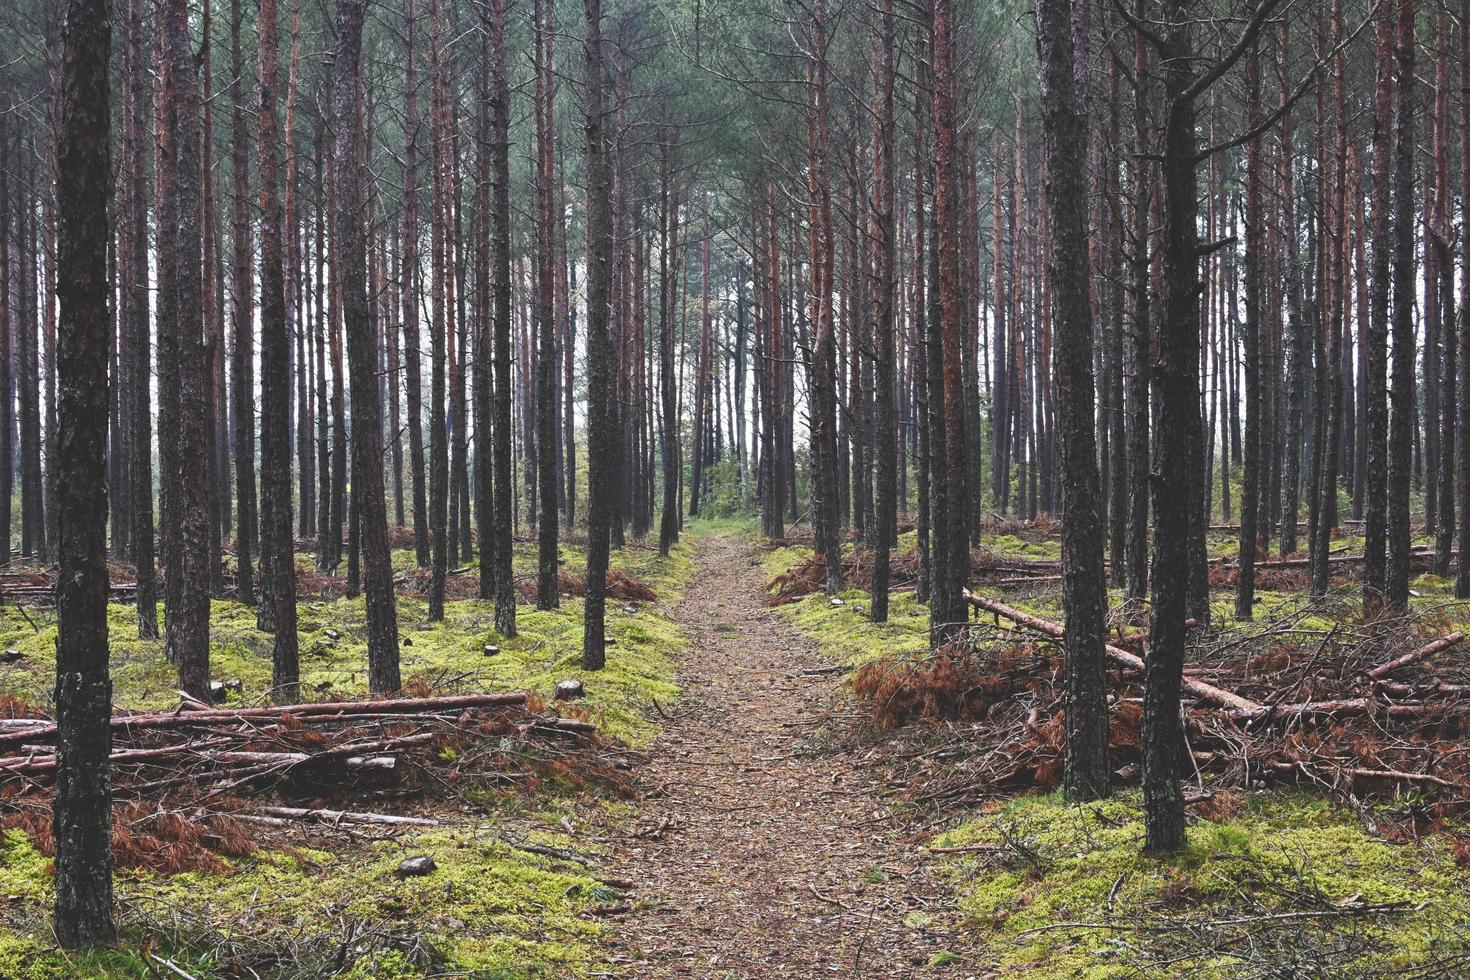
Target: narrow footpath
point(760, 847)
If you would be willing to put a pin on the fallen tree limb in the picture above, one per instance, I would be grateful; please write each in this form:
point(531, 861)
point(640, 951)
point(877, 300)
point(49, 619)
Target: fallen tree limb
point(1423, 653)
point(1347, 707)
point(1198, 688)
point(345, 816)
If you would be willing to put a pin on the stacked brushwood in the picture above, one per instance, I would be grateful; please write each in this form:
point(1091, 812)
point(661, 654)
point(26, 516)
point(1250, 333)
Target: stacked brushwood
point(37, 586)
point(315, 745)
point(193, 789)
point(1354, 709)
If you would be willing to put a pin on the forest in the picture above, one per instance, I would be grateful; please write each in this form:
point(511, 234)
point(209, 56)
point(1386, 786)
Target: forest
point(734, 488)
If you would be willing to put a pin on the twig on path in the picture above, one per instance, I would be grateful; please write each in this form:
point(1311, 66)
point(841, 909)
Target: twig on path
point(827, 898)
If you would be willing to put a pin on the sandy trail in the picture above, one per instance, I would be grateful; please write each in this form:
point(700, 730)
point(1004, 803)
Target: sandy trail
point(761, 847)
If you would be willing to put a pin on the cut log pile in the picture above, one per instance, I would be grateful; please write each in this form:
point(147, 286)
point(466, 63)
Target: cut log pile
point(1352, 709)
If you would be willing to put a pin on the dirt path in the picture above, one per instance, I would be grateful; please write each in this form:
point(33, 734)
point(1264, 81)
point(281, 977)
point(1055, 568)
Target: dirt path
point(760, 847)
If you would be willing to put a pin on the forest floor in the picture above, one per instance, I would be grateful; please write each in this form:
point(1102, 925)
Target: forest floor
point(780, 788)
point(761, 847)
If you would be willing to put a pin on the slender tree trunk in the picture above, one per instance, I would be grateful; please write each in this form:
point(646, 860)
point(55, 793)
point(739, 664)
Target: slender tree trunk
point(188, 613)
point(547, 596)
point(825, 492)
point(440, 317)
point(412, 370)
point(505, 603)
point(242, 322)
point(599, 350)
point(1294, 342)
point(668, 531)
point(885, 268)
point(7, 402)
point(1329, 395)
point(1402, 382)
point(948, 610)
point(139, 343)
point(1376, 389)
point(367, 421)
point(1462, 563)
point(277, 543)
point(82, 812)
point(1253, 339)
point(1063, 92)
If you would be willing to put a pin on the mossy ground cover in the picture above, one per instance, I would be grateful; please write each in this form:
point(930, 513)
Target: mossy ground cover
point(489, 910)
point(1288, 882)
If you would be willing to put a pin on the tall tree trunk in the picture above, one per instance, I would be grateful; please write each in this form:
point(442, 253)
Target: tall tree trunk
point(367, 421)
point(600, 475)
point(505, 602)
point(1176, 455)
point(1442, 241)
point(440, 317)
point(668, 530)
point(7, 401)
point(1402, 382)
point(547, 596)
point(139, 343)
point(948, 610)
point(825, 492)
point(1329, 394)
point(242, 321)
point(1376, 389)
point(1253, 339)
point(885, 266)
point(411, 286)
point(188, 612)
point(1294, 342)
point(277, 543)
point(1462, 564)
point(1084, 600)
point(82, 812)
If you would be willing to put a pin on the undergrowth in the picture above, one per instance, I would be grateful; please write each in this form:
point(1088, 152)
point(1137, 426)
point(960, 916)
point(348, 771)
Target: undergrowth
point(1286, 885)
point(489, 910)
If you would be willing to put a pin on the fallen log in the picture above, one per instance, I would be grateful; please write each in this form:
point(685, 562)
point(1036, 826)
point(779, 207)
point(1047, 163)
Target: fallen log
point(345, 816)
point(1198, 688)
point(1347, 707)
point(1419, 552)
point(1400, 689)
point(1423, 653)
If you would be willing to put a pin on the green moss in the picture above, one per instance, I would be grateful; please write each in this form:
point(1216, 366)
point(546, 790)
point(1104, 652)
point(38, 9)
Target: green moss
point(489, 909)
point(1064, 864)
point(847, 635)
point(1009, 544)
point(332, 636)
